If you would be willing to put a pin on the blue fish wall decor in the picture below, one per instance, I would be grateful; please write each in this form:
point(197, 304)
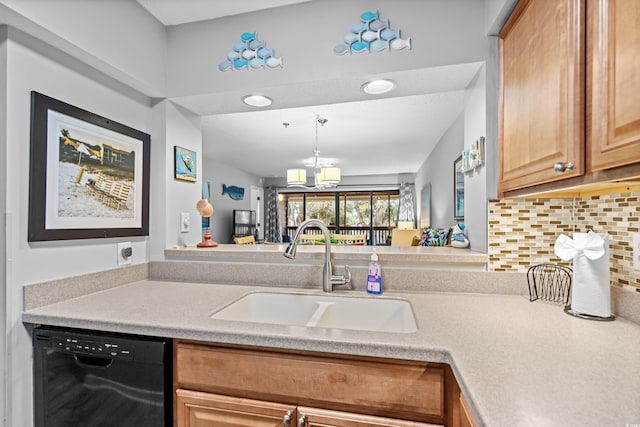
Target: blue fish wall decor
point(236, 193)
point(249, 53)
point(246, 37)
point(369, 16)
point(371, 34)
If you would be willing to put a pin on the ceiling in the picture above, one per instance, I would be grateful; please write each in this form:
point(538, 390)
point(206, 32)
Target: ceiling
point(174, 12)
point(365, 135)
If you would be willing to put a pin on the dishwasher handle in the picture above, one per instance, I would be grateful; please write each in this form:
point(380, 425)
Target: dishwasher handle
point(92, 362)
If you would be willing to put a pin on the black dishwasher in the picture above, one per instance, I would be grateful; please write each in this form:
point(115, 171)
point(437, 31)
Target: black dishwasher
point(87, 378)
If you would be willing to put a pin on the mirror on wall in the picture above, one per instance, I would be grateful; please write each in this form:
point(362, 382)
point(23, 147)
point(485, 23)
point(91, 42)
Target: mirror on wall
point(425, 206)
point(458, 189)
point(383, 139)
point(365, 135)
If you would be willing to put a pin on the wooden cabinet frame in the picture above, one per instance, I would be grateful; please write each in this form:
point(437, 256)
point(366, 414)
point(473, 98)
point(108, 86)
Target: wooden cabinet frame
point(418, 392)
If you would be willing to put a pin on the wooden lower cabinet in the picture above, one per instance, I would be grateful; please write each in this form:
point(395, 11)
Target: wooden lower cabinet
point(246, 386)
point(314, 417)
point(199, 409)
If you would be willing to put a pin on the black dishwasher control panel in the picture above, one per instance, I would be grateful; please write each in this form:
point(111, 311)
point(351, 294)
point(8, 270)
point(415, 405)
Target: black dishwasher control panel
point(109, 349)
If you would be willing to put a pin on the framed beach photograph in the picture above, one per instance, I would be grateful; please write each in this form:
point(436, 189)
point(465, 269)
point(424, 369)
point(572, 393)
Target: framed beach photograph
point(185, 161)
point(88, 175)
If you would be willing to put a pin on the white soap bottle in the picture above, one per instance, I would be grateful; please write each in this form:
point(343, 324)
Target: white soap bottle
point(374, 278)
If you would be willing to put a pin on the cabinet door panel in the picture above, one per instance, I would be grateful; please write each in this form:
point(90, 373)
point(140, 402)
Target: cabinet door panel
point(614, 83)
point(410, 390)
point(197, 409)
point(325, 418)
point(542, 96)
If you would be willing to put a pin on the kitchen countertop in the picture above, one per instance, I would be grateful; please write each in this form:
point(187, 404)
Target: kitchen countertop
point(354, 255)
point(518, 363)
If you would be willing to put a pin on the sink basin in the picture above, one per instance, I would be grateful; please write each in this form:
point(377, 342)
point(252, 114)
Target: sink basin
point(340, 312)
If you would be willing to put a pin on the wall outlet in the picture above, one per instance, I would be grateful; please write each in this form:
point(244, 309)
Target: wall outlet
point(185, 222)
point(125, 253)
point(635, 241)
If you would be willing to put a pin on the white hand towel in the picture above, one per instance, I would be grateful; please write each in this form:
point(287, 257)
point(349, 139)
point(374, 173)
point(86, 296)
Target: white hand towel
point(591, 292)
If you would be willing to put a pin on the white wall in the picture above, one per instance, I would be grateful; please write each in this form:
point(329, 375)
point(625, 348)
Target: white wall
point(119, 38)
point(223, 205)
point(27, 263)
point(3, 220)
point(173, 125)
point(437, 170)
point(475, 182)
point(496, 13)
point(491, 83)
point(183, 130)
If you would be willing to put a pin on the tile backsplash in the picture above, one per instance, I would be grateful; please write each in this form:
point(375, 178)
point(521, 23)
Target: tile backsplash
point(522, 232)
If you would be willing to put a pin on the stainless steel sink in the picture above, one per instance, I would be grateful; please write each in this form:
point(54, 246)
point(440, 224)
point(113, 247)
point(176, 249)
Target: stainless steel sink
point(339, 312)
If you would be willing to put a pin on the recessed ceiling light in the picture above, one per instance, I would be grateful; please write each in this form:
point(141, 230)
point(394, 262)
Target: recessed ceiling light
point(376, 87)
point(257, 100)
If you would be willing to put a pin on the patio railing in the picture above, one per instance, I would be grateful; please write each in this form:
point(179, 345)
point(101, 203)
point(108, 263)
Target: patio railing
point(375, 235)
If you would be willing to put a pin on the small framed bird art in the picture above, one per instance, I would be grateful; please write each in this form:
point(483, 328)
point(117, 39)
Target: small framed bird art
point(185, 164)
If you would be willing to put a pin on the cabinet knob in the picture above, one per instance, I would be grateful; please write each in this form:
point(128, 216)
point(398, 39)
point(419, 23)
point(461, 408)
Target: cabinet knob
point(286, 419)
point(561, 167)
point(302, 420)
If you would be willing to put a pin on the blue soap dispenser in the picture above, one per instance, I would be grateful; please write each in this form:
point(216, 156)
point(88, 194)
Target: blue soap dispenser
point(374, 277)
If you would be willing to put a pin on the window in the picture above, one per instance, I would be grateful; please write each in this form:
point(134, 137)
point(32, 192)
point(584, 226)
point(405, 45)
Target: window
point(385, 209)
point(321, 206)
point(355, 209)
point(361, 212)
point(294, 204)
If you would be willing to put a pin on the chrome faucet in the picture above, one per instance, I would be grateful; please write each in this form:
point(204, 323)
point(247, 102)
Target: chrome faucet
point(328, 279)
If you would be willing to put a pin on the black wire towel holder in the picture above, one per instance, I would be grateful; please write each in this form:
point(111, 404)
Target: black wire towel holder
point(549, 282)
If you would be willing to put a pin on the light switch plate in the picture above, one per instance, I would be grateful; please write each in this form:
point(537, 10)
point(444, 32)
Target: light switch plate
point(125, 253)
point(185, 222)
point(635, 241)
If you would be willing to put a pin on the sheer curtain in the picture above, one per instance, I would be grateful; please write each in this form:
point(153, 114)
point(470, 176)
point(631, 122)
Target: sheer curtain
point(271, 226)
point(407, 208)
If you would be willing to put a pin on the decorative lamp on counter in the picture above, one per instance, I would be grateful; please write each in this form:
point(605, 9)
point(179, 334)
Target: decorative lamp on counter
point(205, 209)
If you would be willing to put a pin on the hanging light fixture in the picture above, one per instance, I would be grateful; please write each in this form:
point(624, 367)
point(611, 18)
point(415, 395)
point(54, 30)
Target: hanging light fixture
point(296, 176)
point(325, 175)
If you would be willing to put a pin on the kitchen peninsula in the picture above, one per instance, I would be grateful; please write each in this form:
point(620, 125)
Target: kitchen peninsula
point(516, 362)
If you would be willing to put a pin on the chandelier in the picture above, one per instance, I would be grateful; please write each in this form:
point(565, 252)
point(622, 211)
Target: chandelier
point(324, 175)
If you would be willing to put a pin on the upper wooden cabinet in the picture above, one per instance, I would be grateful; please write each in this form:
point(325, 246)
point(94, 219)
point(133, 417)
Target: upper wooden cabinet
point(613, 77)
point(542, 78)
point(569, 93)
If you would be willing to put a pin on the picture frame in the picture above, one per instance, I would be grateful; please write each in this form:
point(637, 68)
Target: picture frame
point(88, 175)
point(425, 206)
point(185, 163)
point(458, 189)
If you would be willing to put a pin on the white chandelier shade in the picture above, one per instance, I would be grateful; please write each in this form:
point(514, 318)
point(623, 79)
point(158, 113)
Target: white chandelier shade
point(296, 176)
point(329, 176)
